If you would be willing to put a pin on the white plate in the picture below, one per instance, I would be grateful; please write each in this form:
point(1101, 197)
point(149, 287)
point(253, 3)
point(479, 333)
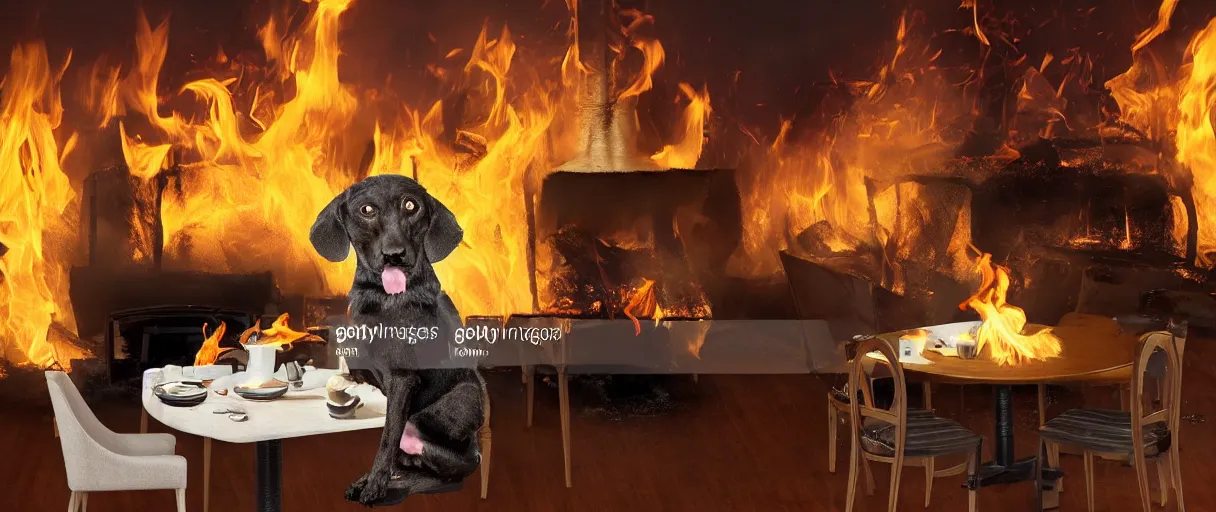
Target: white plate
point(183, 389)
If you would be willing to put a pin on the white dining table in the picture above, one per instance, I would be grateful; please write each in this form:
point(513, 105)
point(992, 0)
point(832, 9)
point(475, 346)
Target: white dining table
point(296, 414)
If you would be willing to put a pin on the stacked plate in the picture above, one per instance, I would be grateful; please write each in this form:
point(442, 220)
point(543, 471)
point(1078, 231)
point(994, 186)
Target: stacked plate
point(181, 393)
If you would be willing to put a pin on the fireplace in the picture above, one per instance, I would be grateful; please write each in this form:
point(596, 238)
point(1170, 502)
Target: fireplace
point(602, 166)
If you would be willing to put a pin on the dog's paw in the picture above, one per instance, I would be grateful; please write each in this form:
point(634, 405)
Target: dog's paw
point(355, 491)
point(374, 489)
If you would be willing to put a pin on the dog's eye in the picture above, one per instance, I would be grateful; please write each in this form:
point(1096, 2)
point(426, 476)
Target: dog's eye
point(367, 210)
point(410, 205)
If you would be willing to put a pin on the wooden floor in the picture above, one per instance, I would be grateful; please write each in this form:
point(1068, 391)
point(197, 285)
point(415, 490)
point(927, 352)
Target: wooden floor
point(742, 443)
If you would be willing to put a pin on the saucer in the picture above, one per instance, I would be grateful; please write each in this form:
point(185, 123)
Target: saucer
point(264, 392)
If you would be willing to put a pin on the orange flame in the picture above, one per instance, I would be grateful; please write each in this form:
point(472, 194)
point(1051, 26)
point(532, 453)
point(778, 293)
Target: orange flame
point(1196, 136)
point(211, 351)
point(1003, 323)
point(643, 304)
point(278, 334)
point(37, 218)
point(688, 151)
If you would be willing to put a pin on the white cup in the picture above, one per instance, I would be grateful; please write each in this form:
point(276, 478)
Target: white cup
point(152, 376)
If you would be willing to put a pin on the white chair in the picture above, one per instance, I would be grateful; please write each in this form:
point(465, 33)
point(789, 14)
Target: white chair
point(98, 459)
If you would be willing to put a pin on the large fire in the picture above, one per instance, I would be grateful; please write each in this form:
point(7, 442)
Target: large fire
point(264, 144)
point(262, 148)
point(1002, 330)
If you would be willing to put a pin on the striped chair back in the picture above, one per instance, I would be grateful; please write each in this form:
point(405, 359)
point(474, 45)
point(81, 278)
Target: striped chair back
point(861, 390)
point(1157, 346)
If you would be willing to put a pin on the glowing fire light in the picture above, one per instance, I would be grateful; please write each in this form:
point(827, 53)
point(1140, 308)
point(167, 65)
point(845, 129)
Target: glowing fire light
point(1001, 330)
point(211, 351)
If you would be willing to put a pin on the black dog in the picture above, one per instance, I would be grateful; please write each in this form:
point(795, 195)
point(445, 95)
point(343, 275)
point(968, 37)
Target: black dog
point(429, 442)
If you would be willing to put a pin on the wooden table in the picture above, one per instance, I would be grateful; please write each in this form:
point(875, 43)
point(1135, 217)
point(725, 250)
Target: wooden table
point(296, 414)
point(1094, 347)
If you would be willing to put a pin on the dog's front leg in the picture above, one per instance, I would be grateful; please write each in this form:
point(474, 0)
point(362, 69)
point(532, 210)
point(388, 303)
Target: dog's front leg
point(372, 487)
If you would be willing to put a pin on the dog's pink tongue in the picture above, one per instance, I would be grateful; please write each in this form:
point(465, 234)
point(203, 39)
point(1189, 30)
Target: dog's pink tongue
point(393, 279)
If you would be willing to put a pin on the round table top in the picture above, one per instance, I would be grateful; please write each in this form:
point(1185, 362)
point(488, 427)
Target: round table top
point(1092, 347)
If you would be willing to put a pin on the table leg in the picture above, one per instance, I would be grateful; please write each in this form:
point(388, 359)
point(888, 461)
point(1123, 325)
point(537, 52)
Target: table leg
point(1003, 448)
point(270, 475)
point(1005, 469)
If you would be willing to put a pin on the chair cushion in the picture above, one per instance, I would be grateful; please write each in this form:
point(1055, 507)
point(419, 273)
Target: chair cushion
point(1104, 431)
point(928, 436)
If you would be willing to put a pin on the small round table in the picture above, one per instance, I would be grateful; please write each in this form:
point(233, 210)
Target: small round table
point(1094, 348)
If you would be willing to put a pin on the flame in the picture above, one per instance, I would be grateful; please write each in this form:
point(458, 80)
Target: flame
point(1147, 97)
point(651, 49)
point(279, 335)
point(643, 304)
point(686, 154)
point(1196, 136)
point(1003, 324)
point(211, 351)
point(253, 151)
point(37, 218)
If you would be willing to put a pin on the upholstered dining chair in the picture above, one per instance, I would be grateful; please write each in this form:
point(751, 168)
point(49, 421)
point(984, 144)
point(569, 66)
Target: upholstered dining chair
point(1139, 436)
point(98, 459)
point(900, 436)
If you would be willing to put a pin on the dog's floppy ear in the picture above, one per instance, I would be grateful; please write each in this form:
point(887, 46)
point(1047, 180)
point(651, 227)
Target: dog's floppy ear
point(328, 234)
point(443, 234)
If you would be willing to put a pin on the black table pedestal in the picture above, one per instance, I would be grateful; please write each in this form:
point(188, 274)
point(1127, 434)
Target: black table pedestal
point(270, 475)
point(1005, 470)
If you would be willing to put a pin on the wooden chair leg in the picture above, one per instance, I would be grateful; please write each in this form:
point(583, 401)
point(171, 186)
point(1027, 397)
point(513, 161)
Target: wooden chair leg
point(563, 391)
point(73, 500)
point(926, 392)
point(855, 460)
point(1163, 481)
point(832, 426)
point(928, 480)
point(485, 461)
point(897, 470)
point(1176, 477)
point(1053, 459)
point(206, 474)
point(529, 390)
point(84, 502)
point(181, 500)
point(1142, 479)
point(143, 421)
point(973, 467)
point(865, 468)
point(1089, 479)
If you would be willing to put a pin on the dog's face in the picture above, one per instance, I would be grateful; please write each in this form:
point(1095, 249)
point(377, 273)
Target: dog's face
point(392, 223)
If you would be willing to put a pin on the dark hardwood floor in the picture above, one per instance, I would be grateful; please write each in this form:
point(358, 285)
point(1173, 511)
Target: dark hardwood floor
point(741, 443)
